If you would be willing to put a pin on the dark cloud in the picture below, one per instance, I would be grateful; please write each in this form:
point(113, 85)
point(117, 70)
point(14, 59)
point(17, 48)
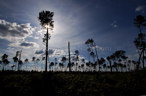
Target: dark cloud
point(27, 44)
point(12, 30)
point(50, 52)
point(39, 52)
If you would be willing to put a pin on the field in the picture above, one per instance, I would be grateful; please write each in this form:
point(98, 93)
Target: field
point(72, 83)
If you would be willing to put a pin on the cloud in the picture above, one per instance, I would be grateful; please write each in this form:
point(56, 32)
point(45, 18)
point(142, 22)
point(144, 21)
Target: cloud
point(42, 52)
point(36, 37)
point(114, 24)
point(14, 31)
point(139, 8)
point(27, 44)
point(38, 52)
point(24, 44)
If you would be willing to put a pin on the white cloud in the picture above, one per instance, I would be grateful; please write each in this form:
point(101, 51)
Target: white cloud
point(15, 32)
point(36, 37)
point(114, 24)
point(139, 8)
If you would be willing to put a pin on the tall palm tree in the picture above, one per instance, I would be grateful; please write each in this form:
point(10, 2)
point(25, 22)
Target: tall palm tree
point(12, 66)
point(5, 60)
point(33, 59)
point(43, 59)
point(93, 55)
point(51, 65)
point(45, 18)
point(129, 65)
point(76, 58)
point(140, 42)
point(89, 51)
point(26, 61)
point(15, 59)
point(37, 60)
point(101, 61)
point(20, 63)
point(63, 61)
point(91, 44)
point(109, 59)
point(61, 65)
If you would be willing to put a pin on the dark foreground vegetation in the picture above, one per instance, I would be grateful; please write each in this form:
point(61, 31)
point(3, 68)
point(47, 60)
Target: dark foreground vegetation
point(72, 83)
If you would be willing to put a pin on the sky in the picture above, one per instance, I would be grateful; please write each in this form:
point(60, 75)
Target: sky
point(108, 22)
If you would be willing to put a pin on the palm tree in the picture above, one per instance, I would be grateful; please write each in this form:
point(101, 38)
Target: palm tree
point(51, 65)
point(109, 59)
point(61, 65)
point(1, 64)
point(129, 65)
point(140, 43)
point(76, 58)
point(116, 56)
point(20, 63)
point(37, 60)
point(63, 60)
point(33, 59)
point(91, 44)
point(101, 61)
point(45, 18)
point(43, 59)
point(26, 61)
point(5, 60)
point(82, 66)
point(89, 50)
point(15, 59)
point(104, 67)
point(12, 66)
point(93, 55)
point(88, 65)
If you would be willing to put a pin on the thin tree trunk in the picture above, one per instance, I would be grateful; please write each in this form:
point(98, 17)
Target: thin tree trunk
point(110, 66)
point(69, 56)
point(46, 51)
point(139, 59)
point(143, 57)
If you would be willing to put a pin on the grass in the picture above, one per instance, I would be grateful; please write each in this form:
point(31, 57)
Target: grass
point(72, 84)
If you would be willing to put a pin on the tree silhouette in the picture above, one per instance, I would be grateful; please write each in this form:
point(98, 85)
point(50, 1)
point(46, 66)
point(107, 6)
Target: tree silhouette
point(5, 60)
point(76, 58)
point(37, 60)
point(61, 65)
point(51, 65)
point(15, 59)
point(109, 59)
point(89, 51)
point(26, 61)
point(91, 44)
point(93, 55)
point(63, 61)
point(13, 66)
point(139, 42)
point(43, 59)
point(101, 61)
point(33, 59)
point(45, 18)
point(20, 63)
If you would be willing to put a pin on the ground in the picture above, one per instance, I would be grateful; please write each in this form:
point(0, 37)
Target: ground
point(72, 83)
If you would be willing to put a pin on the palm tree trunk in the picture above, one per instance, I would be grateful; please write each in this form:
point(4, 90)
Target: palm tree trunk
point(143, 58)
point(46, 51)
point(69, 56)
point(110, 66)
point(140, 58)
